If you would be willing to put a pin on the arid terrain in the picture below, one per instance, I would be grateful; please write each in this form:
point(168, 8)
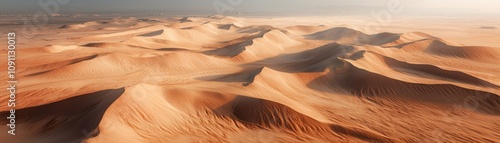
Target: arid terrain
point(256, 79)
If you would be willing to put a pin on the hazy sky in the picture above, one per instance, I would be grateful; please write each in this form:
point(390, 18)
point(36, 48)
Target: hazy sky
point(206, 6)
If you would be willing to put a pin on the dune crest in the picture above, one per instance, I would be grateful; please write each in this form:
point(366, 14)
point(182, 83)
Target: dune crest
point(231, 79)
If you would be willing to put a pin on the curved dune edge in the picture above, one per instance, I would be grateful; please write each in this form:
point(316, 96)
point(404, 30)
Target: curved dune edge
point(55, 123)
point(219, 79)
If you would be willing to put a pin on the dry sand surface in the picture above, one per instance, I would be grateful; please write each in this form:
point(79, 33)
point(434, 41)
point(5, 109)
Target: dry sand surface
point(256, 79)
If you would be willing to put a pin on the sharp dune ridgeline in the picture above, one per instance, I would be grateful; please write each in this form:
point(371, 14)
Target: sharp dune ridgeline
point(232, 79)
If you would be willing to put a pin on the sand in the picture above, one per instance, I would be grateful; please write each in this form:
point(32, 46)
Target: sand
point(256, 79)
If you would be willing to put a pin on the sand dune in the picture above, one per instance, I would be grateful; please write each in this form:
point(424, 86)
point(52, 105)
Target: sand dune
point(341, 35)
point(73, 26)
point(232, 26)
point(305, 29)
point(227, 79)
point(65, 124)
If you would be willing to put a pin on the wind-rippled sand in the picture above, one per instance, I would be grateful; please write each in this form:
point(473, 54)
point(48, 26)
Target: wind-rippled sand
point(227, 79)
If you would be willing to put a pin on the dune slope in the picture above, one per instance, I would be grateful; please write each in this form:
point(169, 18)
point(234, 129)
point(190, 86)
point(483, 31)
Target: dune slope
point(227, 79)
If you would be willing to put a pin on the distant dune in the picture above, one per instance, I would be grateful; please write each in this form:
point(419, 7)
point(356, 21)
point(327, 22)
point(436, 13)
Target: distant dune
point(487, 27)
point(230, 79)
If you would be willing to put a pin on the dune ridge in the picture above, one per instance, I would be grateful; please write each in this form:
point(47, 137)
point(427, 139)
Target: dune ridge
point(228, 79)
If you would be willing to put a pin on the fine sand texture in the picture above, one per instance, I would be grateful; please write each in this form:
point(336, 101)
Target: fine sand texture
point(255, 79)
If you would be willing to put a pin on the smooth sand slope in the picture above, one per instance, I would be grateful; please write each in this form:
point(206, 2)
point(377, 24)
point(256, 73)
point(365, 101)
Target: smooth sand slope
point(227, 79)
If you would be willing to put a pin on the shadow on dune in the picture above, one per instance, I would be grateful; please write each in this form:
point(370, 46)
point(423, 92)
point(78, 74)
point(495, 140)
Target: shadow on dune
point(409, 43)
point(187, 19)
point(67, 121)
point(59, 64)
point(431, 71)
point(253, 29)
point(359, 82)
point(236, 48)
point(171, 49)
point(152, 34)
point(230, 50)
point(228, 26)
point(343, 35)
point(314, 60)
point(487, 27)
point(344, 76)
point(247, 76)
point(260, 113)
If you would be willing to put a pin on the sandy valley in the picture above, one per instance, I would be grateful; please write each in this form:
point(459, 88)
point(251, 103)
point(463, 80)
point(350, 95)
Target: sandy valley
point(256, 79)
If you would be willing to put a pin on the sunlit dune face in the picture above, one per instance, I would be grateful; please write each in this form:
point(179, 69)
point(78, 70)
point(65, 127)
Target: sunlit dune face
point(256, 79)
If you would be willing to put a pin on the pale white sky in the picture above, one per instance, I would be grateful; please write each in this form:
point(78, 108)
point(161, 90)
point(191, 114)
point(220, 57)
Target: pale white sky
point(467, 6)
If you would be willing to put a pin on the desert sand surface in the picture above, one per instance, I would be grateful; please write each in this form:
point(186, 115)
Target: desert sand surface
point(257, 79)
